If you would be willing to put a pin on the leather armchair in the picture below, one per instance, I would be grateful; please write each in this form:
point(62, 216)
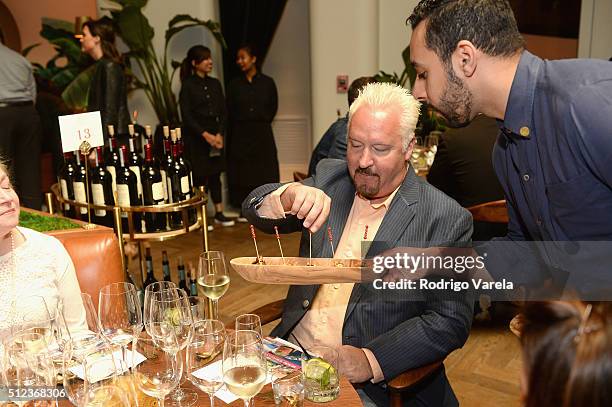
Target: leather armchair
point(96, 257)
point(398, 386)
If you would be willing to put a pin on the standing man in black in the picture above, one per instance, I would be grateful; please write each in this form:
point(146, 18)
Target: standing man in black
point(20, 132)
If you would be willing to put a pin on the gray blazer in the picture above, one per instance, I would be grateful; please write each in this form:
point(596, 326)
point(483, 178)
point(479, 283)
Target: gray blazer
point(402, 331)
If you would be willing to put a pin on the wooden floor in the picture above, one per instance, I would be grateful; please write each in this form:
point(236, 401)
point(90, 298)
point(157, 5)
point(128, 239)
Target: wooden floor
point(485, 372)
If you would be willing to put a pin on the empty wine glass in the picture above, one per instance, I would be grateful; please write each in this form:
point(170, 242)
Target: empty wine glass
point(198, 308)
point(213, 278)
point(106, 396)
point(162, 372)
point(170, 324)
point(87, 340)
point(152, 289)
point(244, 364)
point(206, 345)
point(249, 322)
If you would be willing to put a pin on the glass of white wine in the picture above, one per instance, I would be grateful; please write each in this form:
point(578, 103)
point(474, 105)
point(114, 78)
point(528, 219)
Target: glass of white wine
point(206, 345)
point(213, 278)
point(244, 364)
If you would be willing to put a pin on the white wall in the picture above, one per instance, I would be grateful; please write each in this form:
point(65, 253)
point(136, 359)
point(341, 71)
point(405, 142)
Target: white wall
point(159, 13)
point(595, 38)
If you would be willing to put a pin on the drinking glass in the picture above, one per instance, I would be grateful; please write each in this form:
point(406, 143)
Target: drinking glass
point(107, 367)
point(162, 371)
point(321, 379)
point(249, 322)
point(288, 389)
point(87, 340)
point(198, 308)
point(170, 324)
point(120, 313)
point(244, 364)
point(106, 396)
point(213, 278)
point(206, 345)
point(153, 290)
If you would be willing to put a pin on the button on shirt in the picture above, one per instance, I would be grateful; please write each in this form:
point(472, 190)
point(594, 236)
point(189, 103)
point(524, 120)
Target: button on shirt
point(16, 78)
point(323, 323)
point(554, 154)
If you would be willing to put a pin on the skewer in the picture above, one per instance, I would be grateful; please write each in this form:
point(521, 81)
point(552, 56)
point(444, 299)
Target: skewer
point(310, 249)
point(365, 234)
point(331, 240)
point(255, 241)
point(279, 243)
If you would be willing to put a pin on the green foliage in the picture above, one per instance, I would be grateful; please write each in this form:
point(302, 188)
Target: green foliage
point(42, 223)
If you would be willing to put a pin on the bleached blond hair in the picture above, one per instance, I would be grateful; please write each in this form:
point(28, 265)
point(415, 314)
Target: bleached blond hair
point(390, 96)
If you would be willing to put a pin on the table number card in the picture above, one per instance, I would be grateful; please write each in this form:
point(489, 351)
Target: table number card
point(77, 128)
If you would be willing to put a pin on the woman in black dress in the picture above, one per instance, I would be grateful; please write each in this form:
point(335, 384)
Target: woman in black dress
point(204, 119)
point(252, 104)
point(108, 87)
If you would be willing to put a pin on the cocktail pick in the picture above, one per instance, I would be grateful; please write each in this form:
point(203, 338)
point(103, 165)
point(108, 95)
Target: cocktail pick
point(279, 243)
point(365, 233)
point(310, 249)
point(331, 240)
point(255, 242)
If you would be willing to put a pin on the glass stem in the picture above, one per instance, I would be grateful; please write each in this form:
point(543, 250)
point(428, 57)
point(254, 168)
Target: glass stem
point(212, 400)
point(214, 309)
point(247, 402)
point(160, 402)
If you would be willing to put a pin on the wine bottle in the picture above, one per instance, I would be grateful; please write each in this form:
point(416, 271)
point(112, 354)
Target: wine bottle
point(150, 278)
point(80, 194)
point(193, 286)
point(166, 266)
point(181, 273)
point(102, 190)
point(127, 192)
point(66, 180)
point(152, 192)
point(179, 187)
point(112, 161)
point(182, 159)
point(148, 134)
point(166, 157)
point(134, 162)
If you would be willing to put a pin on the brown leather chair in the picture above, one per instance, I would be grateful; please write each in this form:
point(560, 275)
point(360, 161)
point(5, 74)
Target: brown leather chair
point(493, 212)
point(399, 386)
point(96, 257)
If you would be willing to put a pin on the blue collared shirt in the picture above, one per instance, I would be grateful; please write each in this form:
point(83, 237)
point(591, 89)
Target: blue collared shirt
point(554, 154)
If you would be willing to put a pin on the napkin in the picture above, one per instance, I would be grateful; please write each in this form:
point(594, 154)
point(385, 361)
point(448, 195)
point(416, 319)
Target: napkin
point(105, 368)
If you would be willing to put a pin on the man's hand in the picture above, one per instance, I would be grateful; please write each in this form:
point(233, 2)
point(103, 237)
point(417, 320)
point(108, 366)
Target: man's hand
point(218, 141)
point(354, 364)
point(308, 203)
point(210, 138)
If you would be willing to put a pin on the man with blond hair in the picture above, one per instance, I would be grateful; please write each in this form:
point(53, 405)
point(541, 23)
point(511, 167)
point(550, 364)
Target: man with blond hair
point(373, 196)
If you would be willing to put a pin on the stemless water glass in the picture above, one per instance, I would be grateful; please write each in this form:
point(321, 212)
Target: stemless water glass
point(170, 324)
point(162, 371)
point(249, 322)
point(244, 364)
point(206, 345)
point(119, 313)
point(213, 278)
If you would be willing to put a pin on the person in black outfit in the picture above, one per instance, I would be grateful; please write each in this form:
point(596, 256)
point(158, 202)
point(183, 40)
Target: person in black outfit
point(462, 169)
point(252, 103)
point(204, 120)
point(108, 87)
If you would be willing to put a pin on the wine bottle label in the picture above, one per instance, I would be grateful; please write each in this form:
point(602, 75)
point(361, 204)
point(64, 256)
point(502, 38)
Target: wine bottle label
point(143, 225)
point(111, 170)
point(191, 177)
point(64, 188)
point(158, 193)
point(123, 197)
point(185, 185)
point(97, 191)
point(164, 184)
point(169, 190)
point(136, 170)
point(79, 195)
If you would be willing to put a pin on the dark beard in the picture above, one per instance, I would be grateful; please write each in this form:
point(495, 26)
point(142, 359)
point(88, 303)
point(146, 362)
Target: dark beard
point(456, 102)
point(364, 190)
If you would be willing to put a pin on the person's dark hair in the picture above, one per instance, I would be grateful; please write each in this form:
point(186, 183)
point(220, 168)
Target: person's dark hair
point(567, 352)
point(488, 24)
point(197, 54)
point(249, 48)
point(103, 28)
point(356, 85)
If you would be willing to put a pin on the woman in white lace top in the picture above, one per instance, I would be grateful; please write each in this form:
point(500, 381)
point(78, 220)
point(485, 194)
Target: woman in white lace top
point(33, 264)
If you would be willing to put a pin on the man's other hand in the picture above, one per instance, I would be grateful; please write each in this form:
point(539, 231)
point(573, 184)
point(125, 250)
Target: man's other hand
point(354, 364)
point(308, 203)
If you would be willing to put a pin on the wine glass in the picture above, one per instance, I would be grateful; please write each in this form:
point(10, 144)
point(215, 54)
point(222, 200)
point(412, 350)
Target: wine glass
point(244, 364)
point(149, 293)
point(120, 314)
point(162, 371)
point(107, 367)
point(206, 345)
point(198, 308)
point(213, 278)
point(109, 395)
point(85, 341)
point(249, 322)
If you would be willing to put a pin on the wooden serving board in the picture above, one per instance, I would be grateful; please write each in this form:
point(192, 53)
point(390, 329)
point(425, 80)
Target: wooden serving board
point(297, 271)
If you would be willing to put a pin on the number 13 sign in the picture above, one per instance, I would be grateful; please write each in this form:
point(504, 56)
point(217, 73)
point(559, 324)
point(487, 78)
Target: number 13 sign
point(77, 128)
